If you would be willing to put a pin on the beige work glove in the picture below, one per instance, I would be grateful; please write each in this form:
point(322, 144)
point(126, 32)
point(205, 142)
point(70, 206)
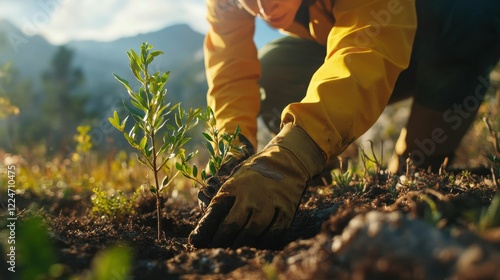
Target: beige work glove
point(206, 193)
point(259, 200)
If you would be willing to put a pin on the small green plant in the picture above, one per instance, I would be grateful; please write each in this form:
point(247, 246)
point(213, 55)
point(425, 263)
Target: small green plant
point(366, 159)
point(117, 206)
point(451, 179)
point(158, 142)
point(220, 146)
point(485, 218)
point(465, 174)
point(392, 184)
point(359, 187)
point(83, 147)
point(83, 139)
point(341, 181)
point(490, 217)
point(432, 214)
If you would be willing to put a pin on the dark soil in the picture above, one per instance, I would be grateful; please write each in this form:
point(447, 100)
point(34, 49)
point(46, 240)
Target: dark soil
point(378, 233)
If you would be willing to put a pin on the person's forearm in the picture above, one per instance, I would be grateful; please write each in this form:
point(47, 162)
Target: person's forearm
point(367, 49)
point(233, 70)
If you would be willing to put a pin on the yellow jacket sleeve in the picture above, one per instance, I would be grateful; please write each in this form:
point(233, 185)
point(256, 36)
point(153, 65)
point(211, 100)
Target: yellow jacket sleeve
point(232, 68)
point(368, 47)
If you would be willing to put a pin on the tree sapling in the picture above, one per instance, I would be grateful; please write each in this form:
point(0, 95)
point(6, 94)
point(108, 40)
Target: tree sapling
point(158, 142)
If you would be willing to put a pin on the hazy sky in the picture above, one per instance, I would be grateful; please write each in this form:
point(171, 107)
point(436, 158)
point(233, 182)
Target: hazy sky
point(62, 20)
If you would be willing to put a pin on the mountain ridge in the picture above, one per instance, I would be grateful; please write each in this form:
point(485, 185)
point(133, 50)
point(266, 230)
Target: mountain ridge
point(183, 56)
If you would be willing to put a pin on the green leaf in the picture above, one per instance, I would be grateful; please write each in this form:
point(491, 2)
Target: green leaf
point(142, 161)
point(145, 47)
point(178, 120)
point(210, 149)
point(135, 64)
point(162, 111)
point(137, 73)
point(165, 76)
point(138, 105)
point(208, 137)
point(174, 107)
point(124, 122)
point(209, 113)
point(165, 181)
point(152, 189)
point(222, 148)
point(237, 131)
point(132, 54)
point(149, 152)
point(170, 127)
point(159, 125)
point(115, 121)
point(213, 169)
point(156, 53)
point(131, 140)
point(134, 111)
point(144, 97)
point(164, 147)
point(137, 119)
point(183, 141)
point(191, 155)
point(144, 143)
point(178, 166)
point(123, 82)
point(195, 171)
point(152, 55)
point(133, 132)
point(218, 161)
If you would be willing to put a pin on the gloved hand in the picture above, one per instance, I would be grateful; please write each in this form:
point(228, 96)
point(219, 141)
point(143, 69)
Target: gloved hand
point(258, 201)
point(206, 193)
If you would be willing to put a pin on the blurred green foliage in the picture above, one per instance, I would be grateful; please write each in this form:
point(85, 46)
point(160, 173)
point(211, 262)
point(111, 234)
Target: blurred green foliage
point(36, 249)
point(116, 206)
point(6, 108)
point(114, 263)
point(47, 117)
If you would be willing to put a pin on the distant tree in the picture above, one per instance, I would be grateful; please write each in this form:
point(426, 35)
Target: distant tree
point(6, 108)
point(15, 95)
point(63, 104)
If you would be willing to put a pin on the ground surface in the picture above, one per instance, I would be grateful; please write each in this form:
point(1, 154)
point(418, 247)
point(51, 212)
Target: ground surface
point(425, 228)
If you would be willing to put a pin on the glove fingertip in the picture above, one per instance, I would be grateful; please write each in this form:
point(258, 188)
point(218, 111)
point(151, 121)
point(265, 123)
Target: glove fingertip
point(203, 234)
point(271, 238)
point(198, 240)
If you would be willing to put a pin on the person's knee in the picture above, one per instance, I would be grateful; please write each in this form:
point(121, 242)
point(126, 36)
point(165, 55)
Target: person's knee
point(287, 67)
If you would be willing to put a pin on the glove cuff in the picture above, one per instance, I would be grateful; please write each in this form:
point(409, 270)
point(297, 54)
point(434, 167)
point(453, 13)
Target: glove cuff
point(300, 144)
